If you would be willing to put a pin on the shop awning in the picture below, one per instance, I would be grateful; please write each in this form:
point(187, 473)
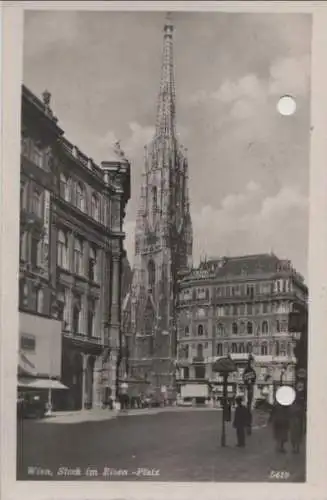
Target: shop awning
point(25, 366)
point(40, 383)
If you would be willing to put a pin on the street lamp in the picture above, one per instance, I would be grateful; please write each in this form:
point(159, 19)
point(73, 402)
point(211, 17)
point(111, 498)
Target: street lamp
point(249, 379)
point(224, 366)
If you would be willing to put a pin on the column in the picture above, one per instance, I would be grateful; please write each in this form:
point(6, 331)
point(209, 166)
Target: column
point(84, 395)
point(97, 382)
point(84, 311)
point(70, 256)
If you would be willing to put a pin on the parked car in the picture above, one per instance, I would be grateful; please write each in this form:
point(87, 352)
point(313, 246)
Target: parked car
point(31, 405)
point(262, 404)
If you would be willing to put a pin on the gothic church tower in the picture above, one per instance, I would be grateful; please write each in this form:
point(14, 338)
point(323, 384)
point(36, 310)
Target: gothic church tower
point(163, 240)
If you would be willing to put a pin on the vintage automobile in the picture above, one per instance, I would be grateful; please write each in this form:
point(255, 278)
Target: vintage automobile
point(31, 404)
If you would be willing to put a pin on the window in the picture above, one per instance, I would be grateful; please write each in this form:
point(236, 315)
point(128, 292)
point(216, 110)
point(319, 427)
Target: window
point(234, 310)
point(282, 350)
point(76, 314)
point(242, 309)
point(90, 317)
point(242, 327)
point(186, 351)
point(250, 309)
point(265, 307)
point(39, 300)
point(199, 351)
point(37, 155)
point(95, 207)
point(249, 347)
point(186, 372)
point(220, 311)
point(277, 351)
point(234, 347)
point(22, 195)
point(234, 329)
point(37, 203)
point(151, 274)
point(241, 348)
point(200, 330)
point(257, 309)
point(289, 349)
point(80, 197)
point(249, 328)
point(265, 327)
point(22, 247)
point(62, 260)
point(264, 349)
point(200, 371)
point(35, 251)
point(277, 326)
point(78, 257)
point(64, 187)
point(27, 342)
point(220, 329)
point(284, 326)
point(154, 199)
point(187, 331)
point(219, 349)
point(92, 264)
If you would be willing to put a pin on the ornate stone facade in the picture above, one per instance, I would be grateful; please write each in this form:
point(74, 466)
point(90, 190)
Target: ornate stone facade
point(74, 209)
point(238, 306)
point(163, 243)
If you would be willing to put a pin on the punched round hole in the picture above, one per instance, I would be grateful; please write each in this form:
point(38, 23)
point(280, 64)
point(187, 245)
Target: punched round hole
point(286, 105)
point(285, 395)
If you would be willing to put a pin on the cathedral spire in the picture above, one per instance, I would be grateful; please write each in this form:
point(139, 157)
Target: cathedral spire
point(165, 124)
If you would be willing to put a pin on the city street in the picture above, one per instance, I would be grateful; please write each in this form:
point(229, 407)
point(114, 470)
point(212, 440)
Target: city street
point(166, 445)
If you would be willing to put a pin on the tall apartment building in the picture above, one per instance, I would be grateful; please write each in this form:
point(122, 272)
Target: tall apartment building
point(72, 252)
point(238, 306)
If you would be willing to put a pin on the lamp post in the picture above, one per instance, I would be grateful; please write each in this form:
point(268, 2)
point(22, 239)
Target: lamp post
point(249, 379)
point(224, 366)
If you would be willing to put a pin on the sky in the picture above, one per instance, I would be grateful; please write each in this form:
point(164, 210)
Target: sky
point(248, 165)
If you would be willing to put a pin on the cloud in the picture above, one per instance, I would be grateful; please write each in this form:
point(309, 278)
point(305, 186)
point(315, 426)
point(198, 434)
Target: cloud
point(139, 136)
point(43, 31)
point(290, 76)
point(248, 222)
point(248, 95)
point(252, 222)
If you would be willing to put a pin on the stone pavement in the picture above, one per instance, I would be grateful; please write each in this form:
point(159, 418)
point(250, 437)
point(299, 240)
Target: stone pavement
point(182, 444)
point(100, 414)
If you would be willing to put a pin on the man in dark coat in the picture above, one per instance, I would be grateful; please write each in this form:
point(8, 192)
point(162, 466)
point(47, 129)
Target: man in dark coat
point(280, 419)
point(241, 421)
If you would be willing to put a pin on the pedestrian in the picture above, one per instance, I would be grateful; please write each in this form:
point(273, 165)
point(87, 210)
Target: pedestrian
point(241, 420)
point(296, 426)
point(279, 418)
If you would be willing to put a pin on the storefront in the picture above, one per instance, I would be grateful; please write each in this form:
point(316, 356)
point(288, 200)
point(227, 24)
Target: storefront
point(39, 357)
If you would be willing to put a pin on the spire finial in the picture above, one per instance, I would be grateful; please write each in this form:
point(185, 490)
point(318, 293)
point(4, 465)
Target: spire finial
point(165, 125)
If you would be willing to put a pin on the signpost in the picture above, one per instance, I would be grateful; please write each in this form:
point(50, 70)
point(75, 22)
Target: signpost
point(224, 366)
point(249, 379)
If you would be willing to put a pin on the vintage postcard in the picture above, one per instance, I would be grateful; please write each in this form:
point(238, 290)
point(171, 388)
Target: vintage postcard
point(163, 249)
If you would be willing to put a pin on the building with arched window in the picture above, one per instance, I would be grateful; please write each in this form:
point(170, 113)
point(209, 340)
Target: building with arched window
point(72, 260)
point(243, 312)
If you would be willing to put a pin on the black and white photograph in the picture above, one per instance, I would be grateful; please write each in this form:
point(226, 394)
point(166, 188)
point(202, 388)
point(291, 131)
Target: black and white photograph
point(163, 275)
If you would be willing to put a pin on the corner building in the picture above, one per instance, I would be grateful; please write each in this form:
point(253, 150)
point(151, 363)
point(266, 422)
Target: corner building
point(78, 254)
point(238, 306)
point(163, 244)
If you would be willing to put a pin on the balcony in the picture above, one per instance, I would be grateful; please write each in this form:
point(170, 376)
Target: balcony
point(85, 341)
